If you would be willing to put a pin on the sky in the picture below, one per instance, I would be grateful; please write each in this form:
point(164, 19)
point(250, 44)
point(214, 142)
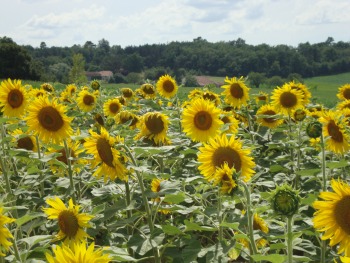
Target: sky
point(64, 23)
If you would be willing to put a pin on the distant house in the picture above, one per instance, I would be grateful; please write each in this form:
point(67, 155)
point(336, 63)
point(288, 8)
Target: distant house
point(105, 75)
point(204, 80)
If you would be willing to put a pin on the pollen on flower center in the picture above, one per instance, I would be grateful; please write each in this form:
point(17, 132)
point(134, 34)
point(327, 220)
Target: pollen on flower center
point(68, 223)
point(203, 120)
point(334, 131)
point(269, 112)
point(105, 151)
point(228, 155)
point(154, 124)
point(236, 91)
point(113, 107)
point(288, 99)
point(25, 143)
point(342, 214)
point(168, 86)
point(15, 98)
point(50, 118)
point(88, 100)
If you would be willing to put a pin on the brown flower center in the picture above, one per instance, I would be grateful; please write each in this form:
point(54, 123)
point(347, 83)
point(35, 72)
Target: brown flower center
point(154, 124)
point(105, 151)
point(88, 100)
point(209, 96)
point(25, 143)
point(334, 131)
point(288, 99)
point(50, 118)
point(342, 214)
point(228, 155)
point(114, 107)
point(168, 86)
point(63, 158)
point(15, 98)
point(148, 89)
point(346, 93)
point(269, 120)
point(127, 93)
point(262, 98)
point(203, 120)
point(236, 91)
point(68, 223)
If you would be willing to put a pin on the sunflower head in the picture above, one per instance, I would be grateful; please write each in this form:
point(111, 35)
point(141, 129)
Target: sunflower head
point(47, 87)
point(5, 234)
point(299, 114)
point(260, 224)
point(166, 86)
point(95, 84)
point(148, 91)
point(262, 98)
point(23, 140)
point(236, 92)
point(86, 100)
point(286, 99)
point(344, 92)
point(13, 98)
point(285, 201)
point(111, 107)
point(306, 95)
point(267, 116)
point(226, 177)
point(127, 93)
point(314, 129)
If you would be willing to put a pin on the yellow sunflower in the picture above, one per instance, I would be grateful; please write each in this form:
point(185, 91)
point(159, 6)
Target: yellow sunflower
point(148, 91)
point(77, 253)
point(95, 84)
point(70, 221)
point(201, 120)
point(345, 104)
point(212, 96)
point(336, 137)
point(225, 177)
point(221, 150)
point(155, 188)
point(71, 89)
point(154, 126)
point(111, 107)
point(5, 234)
point(286, 99)
point(24, 141)
point(106, 157)
point(47, 87)
point(345, 259)
point(236, 92)
point(86, 100)
point(332, 216)
point(344, 92)
point(262, 98)
point(306, 95)
point(258, 224)
point(195, 93)
point(166, 86)
point(262, 116)
point(127, 93)
point(231, 121)
point(127, 116)
point(13, 98)
point(48, 120)
point(35, 93)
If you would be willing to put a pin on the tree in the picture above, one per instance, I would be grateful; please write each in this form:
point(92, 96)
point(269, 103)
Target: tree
point(256, 79)
point(77, 73)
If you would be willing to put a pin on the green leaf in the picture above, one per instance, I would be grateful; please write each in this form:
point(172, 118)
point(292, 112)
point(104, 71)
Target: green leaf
point(274, 258)
point(277, 168)
point(175, 198)
point(31, 241)
point(230, 225)
point(340, 164)
point(26, 218)
point(190, 226)
point(308, 172)
point(171, 230)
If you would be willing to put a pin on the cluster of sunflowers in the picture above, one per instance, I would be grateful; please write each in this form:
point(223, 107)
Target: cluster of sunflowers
point(226, 141)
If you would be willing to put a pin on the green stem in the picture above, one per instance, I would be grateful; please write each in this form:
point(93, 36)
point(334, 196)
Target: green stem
point(250, 125)
point(290, 238)
point(15, 249)
point(7, 180)
point(297, 177)
point(253, 249)
point(128, 213)
point(220, 217)
point(70, 171)
point(324, 188)
point(42, 187)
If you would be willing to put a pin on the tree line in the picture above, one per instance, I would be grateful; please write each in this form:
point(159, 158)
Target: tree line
point(180, 59)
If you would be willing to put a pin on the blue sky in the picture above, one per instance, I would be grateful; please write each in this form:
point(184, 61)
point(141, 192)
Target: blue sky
point(137, 22)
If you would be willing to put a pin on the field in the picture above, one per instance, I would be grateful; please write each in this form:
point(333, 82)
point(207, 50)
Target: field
point(102, 173)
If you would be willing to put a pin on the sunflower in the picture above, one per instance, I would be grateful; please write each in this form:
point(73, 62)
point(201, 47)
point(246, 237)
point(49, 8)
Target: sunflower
point(201, 120)
point(262, 116)
point(48, 120)
point(71, 89)
point(127, 93)
point(127, 116)
point(13, 98)
point(95, 84)
point(111, 107)
point(65, 97)
point(344, 92)
point(195, 93)
point(306, 95)
point(24, 141)
point(166, 86)
point(105, 156)
point(35, 93)
point(221, 150)
point(236, 92)
point(231, 121)
point(47, 87)
point(148, 91)
point(286, 99)
point(212, 96)
point(337, 140)
point(258, 224)
point(70, 221)
point(5, 234)
point(155, 188)
point(154, 126)
point(262, 98)
point(332, 216)
point(225, 177)
point(77, 253)
point(86, 100)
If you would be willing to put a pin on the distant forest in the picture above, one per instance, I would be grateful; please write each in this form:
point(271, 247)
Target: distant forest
point(179, 59)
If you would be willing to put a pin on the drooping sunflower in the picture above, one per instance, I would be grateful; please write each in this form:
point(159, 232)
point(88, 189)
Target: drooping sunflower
point(201, 120)
point(285, 99)
point(24, 141)
point(86, 100)
point(155, 188)
point(332, 216)
point(47, 87)
point(154, 126)
point(148, 91)
point(106, 157)
point(344, 92)
point(127, 93)
point(166, 86)
point(336, 137)
point(224, 176)
point(258, 224)
point(262, 116)
point(236, 92)
point(221, 150)
point(70, 221)
point(48, 120)
point(306, 95)
point(111, 107)
point(95, 84)
point(77, 253)
point(5, 234)
point(13, 98)
point(127, 116)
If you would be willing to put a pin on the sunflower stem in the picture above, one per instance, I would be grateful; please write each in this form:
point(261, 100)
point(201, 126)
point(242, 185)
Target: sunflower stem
point(290, 239)
point(145, 201)
point(250, 125)
point(70, 171)
point(42, 188)
point(128, 213)
point(297, 177)
point(253, 249)
point(324, 187)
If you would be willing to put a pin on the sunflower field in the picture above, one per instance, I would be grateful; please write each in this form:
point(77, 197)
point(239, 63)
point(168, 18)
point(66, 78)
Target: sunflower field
point(94, 175)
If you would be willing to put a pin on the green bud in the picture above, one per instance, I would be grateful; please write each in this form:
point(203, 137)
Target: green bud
point(299, 115)
point(285, 201)
point(314, 129)
point(95, 85)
